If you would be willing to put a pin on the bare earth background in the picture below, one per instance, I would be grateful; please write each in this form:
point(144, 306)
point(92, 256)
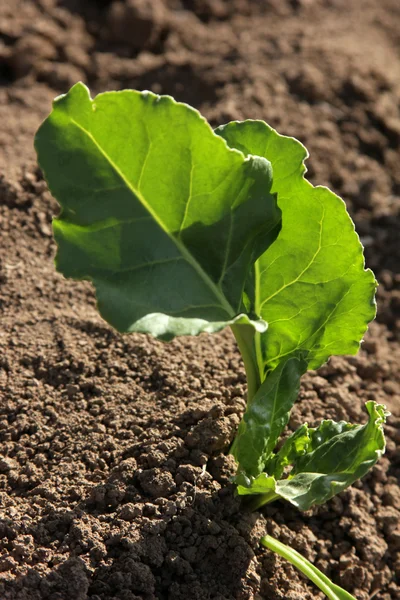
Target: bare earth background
point(113, 477)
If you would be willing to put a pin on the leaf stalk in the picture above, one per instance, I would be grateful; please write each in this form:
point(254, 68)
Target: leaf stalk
point(332, 591)
point(257, 501)
point(244, 336)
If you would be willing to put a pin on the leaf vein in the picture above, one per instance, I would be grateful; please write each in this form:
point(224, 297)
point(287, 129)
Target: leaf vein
point(186, 254)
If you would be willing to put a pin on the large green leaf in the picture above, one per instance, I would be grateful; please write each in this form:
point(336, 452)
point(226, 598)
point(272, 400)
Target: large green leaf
point(157, 210)
point(338, 454)
point(266, 416)
point(310, 285)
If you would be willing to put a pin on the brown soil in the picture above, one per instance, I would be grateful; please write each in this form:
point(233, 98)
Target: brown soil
point(113, 479)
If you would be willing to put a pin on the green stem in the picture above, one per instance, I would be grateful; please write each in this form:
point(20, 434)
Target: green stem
point(244, 335)
point(332, 591)
point(257, 501)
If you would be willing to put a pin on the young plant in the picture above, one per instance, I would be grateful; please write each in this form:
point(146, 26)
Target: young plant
point(184, 230)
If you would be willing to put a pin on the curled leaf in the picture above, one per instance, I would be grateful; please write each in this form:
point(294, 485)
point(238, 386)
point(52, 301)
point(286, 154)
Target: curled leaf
point(310, 285)
point(337, 455)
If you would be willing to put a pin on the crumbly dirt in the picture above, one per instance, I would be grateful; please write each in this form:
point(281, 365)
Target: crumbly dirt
point(114, 478)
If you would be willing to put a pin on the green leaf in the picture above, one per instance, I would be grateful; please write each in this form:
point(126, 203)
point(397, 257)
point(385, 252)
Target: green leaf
point(331, 590)
point(296, 445)
point(310, 285)
point(326, 431)
point(157, 211)
point(262, 484)
point(267, 415)
point(338, 455)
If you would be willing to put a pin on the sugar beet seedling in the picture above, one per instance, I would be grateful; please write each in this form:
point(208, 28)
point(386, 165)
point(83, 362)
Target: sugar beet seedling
point(184, 230)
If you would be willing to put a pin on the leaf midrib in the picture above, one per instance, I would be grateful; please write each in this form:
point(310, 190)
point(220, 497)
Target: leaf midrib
point(187, 256)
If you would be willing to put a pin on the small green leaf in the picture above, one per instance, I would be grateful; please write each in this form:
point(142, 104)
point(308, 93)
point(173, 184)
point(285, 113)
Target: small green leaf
point(157, 211)
point(310, 285)
point(267, 415)
point(338, 455)
point(262, 484)
point(296, 445)
point(326, 431)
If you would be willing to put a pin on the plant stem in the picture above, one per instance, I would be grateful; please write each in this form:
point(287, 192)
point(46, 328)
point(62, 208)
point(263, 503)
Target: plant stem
point(332, 591)
point(257, 501)
point(244, 335)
